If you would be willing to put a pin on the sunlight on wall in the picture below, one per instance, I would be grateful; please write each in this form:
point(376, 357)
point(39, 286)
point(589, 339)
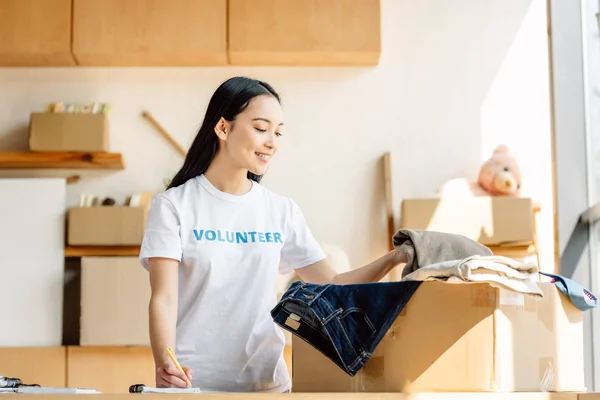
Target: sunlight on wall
point(516, 112)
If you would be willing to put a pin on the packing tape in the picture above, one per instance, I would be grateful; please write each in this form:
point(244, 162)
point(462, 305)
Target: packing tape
point(507, 298)
point(515, 300)
point(547, 374)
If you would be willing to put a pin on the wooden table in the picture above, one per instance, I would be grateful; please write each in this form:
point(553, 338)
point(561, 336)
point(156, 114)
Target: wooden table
point(322, 396)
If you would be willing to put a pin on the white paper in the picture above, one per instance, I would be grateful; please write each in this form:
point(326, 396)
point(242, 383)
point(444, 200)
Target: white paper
point(148, 389)
point(53, 390)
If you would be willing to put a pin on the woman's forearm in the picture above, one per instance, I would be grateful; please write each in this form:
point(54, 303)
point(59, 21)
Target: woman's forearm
point(163, 315)
point(372, 272)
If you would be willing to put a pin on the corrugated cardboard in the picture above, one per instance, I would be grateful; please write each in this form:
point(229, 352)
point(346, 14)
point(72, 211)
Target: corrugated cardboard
point(106, 225)
point(110, 369)
point(69, 132)
point(488, 220)
point(463, 337)
point(115, 293)
point(45, 366)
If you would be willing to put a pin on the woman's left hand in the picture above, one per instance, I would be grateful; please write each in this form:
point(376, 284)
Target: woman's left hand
point(399, 257)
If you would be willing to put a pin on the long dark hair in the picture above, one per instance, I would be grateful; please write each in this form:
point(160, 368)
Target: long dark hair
point(231, 98)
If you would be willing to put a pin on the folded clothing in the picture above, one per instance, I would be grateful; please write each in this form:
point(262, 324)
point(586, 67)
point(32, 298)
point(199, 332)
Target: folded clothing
point(430, 247)
point(498, 271)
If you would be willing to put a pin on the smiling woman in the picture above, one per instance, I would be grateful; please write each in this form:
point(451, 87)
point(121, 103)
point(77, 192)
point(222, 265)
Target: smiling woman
point(214, 243)
point(242, 123)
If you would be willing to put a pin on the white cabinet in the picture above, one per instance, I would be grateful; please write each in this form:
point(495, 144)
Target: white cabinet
point(32, 237)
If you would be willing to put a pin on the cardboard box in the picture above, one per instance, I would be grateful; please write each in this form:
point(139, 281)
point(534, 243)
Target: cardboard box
point(463, 338)
point(109, 369)
point(114, 302)
point(489, 220)
point(106, 226)
point(45, 366)
point(69, 132)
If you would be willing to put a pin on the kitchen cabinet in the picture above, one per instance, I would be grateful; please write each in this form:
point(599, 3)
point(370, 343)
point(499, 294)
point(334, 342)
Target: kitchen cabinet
point(307, 32)
point(190, 32)
point(150, 32)
point(35, 33)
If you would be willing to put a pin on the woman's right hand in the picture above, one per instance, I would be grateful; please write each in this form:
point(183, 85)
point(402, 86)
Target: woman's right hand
point(168, 376)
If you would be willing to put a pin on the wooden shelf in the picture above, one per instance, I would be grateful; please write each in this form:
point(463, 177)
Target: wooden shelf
point(102, 251)
point(66, 160)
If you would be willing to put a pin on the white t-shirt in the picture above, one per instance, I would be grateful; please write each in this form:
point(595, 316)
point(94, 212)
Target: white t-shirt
point(230, 249)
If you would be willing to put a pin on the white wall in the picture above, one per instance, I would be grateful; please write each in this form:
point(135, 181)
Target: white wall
point(455, 78)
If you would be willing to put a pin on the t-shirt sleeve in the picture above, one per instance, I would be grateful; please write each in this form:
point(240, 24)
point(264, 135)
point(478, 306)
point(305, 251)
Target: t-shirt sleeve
point(162, 234)
point(300, 248)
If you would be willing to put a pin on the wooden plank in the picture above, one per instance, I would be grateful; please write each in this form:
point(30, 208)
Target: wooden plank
point(387, 176)
point(67, 160)
point(302, 396)
point(102, 251)
point(513, 251)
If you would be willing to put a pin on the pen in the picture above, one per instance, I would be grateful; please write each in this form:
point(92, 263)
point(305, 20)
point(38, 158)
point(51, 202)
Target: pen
point(174, 359)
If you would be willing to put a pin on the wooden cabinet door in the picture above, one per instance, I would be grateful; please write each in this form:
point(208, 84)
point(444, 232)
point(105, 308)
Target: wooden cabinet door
point(304, 32)
point(109, 369)
point(150, 32)
point(35, 33)
point(44, 365)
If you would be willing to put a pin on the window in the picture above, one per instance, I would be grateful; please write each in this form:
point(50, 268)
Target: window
point(575, 75)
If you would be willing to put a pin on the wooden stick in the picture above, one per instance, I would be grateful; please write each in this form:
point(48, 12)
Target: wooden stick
point(164, 132)
point(387, 175)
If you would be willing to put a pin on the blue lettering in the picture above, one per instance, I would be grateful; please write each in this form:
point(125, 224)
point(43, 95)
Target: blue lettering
point(232, 237)
point(212, 235)
point(241, 237)
point(237, 237)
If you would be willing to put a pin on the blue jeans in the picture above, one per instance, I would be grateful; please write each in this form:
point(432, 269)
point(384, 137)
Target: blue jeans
point(344, 322)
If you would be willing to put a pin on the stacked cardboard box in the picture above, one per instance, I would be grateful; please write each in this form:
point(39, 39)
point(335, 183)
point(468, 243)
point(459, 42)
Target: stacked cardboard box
point(107, 225)
point(505, 224)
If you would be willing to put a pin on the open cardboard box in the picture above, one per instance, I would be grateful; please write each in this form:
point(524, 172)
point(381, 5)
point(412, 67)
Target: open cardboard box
point(463, 338)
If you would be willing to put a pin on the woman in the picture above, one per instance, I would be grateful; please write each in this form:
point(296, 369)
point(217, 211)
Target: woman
point(214, 243)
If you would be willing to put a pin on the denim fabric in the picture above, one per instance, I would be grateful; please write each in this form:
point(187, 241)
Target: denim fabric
point(344, 322)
